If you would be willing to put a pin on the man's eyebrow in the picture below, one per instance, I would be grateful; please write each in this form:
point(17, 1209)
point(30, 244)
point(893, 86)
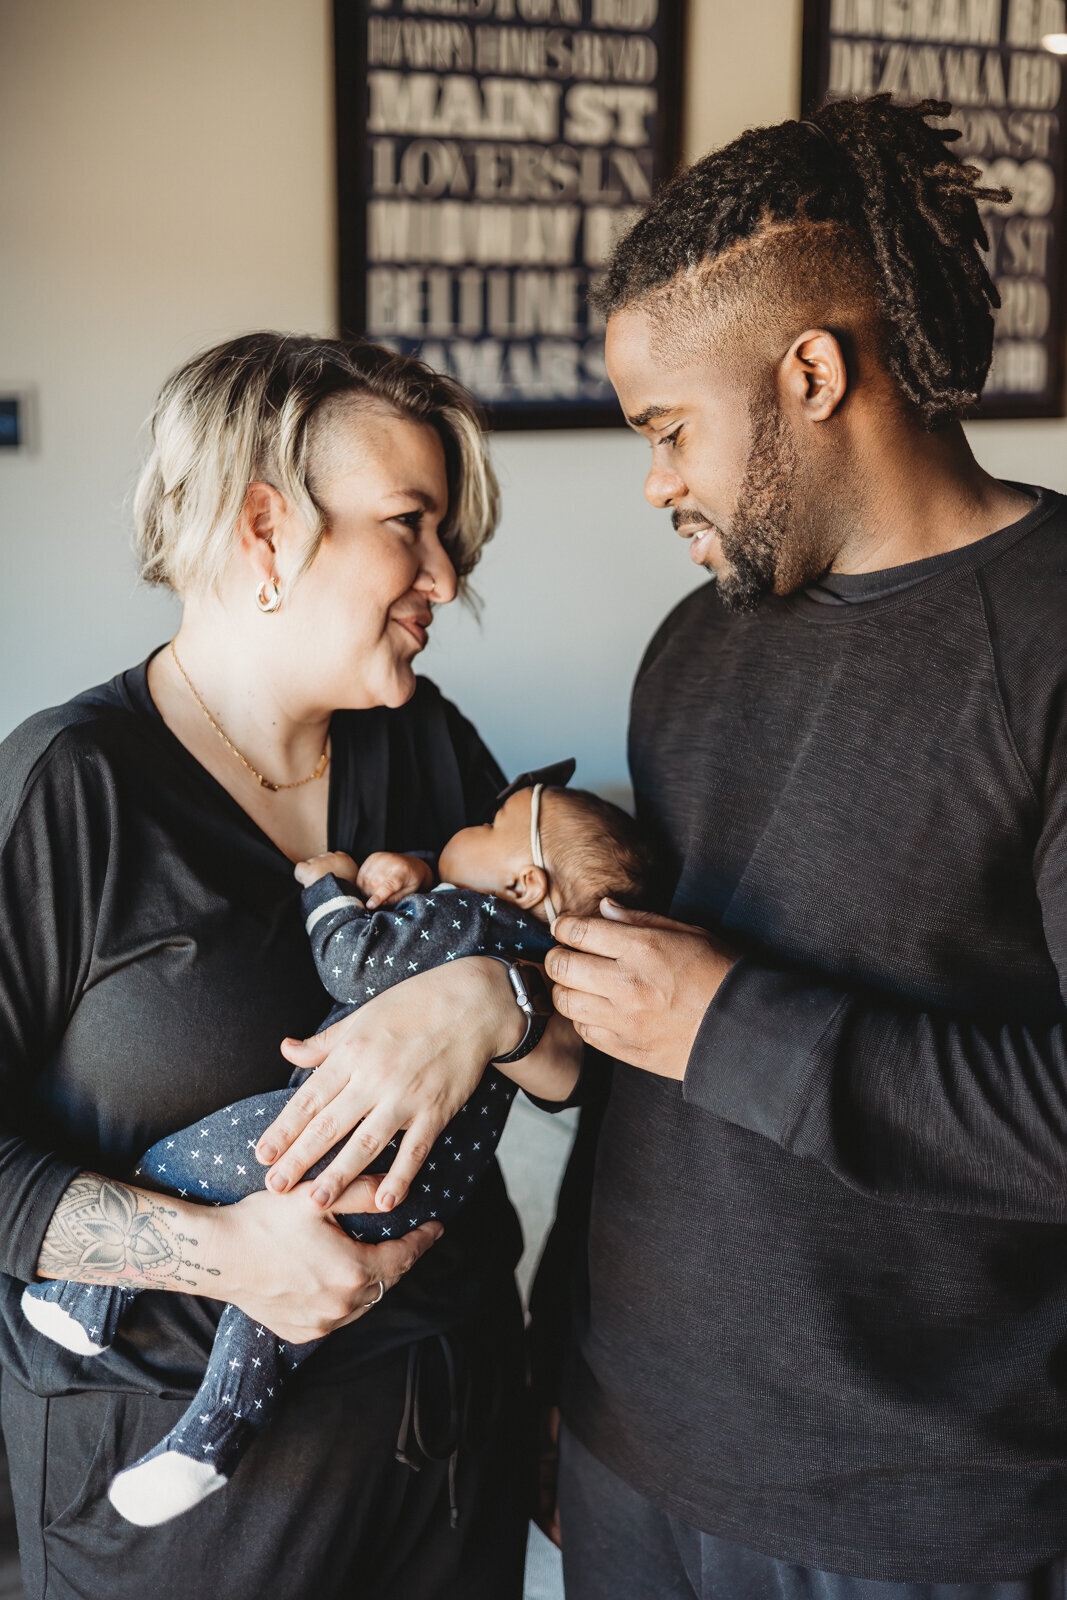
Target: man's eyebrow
point(647, 415)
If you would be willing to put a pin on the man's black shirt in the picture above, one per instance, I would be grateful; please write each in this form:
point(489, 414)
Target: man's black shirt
point(827, 1311)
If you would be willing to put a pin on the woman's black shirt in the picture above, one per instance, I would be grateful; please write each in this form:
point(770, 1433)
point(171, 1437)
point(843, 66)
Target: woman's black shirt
point(153, 956)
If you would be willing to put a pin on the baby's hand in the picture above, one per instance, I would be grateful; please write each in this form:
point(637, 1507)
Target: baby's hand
point(385, 878)
point(335, 861)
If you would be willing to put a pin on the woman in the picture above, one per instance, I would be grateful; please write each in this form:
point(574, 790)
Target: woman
point(311, 502)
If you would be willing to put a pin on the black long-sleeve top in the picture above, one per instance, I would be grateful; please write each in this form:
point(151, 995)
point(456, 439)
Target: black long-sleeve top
point(152, 957)
point(827, 1298)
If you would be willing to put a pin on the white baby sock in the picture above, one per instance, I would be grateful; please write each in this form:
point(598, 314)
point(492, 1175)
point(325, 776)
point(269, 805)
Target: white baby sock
point(56, 1324)
point(163, 1486)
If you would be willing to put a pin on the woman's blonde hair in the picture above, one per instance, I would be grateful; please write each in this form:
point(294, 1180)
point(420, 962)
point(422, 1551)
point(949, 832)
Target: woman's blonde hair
point(243, 412)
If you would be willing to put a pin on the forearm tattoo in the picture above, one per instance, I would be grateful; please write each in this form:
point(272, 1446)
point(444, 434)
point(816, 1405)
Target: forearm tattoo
point(106, 1232)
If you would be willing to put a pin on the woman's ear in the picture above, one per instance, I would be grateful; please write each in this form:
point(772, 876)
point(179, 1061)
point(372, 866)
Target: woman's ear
point(528, 888)
point(261, 519)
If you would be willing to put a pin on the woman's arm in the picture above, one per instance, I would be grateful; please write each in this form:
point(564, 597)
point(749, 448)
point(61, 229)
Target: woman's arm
point(408, 1059)
point(551, 1071)
point(283, 1261)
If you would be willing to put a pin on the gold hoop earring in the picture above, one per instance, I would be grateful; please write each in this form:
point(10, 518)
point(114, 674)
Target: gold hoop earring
point(268, 596)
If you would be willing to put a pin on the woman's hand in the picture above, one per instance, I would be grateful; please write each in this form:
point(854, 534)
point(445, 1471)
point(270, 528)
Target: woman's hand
point(409, 1058)
point(289, 1266)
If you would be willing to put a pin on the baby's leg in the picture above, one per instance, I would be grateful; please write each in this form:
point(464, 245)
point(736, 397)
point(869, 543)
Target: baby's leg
point(241, 1389)
point(82, 1317)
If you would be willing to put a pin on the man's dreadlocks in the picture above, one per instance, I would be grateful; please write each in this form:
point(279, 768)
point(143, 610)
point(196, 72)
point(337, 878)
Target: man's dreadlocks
point(899, 202)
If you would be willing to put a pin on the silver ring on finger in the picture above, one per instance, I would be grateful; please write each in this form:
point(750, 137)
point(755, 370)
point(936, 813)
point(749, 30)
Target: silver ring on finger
point(378, 1296)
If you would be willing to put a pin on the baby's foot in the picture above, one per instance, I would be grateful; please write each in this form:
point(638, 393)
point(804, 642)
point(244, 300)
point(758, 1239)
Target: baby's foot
point(80, 1318)
point(162, 1485)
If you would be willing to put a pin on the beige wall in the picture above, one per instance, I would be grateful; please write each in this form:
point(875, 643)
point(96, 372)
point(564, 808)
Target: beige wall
point(168, 181)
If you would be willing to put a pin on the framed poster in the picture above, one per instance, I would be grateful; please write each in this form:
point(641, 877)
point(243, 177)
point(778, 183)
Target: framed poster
point(489, 153)
point(1009, 99)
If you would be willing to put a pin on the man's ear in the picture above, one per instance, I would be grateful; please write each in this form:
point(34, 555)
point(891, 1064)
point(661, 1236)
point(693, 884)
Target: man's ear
point(527, 888)
point(814, 375)
point(261, 519)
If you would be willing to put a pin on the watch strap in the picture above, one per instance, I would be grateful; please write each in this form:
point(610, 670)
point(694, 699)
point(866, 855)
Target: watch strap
point(531, 997)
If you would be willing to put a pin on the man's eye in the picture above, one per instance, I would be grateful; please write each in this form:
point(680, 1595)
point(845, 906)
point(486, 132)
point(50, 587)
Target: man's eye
point(672, 439)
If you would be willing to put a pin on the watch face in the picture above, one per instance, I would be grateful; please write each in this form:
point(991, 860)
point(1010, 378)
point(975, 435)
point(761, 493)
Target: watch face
point(536, 989)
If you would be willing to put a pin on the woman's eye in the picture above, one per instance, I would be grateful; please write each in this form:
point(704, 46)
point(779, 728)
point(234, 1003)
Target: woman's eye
point(410, 519)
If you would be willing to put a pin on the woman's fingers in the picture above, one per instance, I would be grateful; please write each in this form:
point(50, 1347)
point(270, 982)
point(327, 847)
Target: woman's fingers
point(392, 1260)
point(359, 1196)
point(414, 1148)
point(325, 1130)
point(309, 1100)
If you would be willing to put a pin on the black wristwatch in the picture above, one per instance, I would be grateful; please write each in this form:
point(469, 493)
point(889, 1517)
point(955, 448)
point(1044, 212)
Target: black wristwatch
point(532, 999)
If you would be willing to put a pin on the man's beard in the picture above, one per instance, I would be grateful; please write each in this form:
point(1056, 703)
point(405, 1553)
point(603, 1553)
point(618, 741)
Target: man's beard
point(763, 525)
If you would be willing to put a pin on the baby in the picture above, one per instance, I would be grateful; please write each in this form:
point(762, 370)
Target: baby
point(545, 849)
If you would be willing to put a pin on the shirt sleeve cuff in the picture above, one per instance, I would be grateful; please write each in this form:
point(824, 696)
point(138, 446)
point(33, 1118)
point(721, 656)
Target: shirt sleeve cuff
point(752, 1058)
point(41, 1185)
point(575, 1098)
point(326, 889)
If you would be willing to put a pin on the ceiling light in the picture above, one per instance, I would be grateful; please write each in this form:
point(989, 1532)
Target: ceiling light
point(1056, 42)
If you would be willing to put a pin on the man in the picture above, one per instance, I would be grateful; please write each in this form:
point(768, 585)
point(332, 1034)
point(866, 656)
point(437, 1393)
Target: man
point(821, 1350)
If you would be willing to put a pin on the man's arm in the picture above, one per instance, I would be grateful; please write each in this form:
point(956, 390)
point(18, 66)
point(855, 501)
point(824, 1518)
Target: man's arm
point(953, 1113)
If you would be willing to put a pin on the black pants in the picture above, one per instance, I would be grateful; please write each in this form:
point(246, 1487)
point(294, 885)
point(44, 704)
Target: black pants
point(319, 1507)
point(617, 1546)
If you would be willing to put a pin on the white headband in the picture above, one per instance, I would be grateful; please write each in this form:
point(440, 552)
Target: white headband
point(535, 845)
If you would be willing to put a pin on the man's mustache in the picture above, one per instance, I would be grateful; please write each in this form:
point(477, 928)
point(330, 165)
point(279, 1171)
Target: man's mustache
point(682, 518)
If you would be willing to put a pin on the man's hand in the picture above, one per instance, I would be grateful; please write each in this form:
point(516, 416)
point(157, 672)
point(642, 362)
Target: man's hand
point(386, 877)
point(636, 985)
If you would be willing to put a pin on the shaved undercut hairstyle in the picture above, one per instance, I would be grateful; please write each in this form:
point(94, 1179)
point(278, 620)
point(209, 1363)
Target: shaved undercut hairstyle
point(861, 213)
point(282, 409)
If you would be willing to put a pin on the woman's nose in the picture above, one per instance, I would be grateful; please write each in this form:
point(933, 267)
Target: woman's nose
point(437, 576)
point(662, 488)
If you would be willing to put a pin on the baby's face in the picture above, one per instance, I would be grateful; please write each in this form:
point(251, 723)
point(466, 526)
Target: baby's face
point(492, 856)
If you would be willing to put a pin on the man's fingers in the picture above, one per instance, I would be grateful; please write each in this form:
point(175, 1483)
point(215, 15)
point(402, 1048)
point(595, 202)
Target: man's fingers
point(414, 1148)
point(613, 912)
point(583, 1007)
point(595, 935)
point(574, 970)
point(602, 1039)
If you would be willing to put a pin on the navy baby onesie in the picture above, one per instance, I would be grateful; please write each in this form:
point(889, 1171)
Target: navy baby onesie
point(358, 953)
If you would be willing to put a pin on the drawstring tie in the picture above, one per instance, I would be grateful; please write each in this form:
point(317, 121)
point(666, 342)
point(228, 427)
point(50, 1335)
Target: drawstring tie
point(411, 1423)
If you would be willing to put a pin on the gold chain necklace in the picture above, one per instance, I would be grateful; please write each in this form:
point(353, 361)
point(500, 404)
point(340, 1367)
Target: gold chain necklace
point(264, 783)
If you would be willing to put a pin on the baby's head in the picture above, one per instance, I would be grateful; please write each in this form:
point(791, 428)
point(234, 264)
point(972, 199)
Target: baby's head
point(590, 849)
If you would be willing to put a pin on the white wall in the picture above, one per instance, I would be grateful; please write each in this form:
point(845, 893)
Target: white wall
point(168, 182)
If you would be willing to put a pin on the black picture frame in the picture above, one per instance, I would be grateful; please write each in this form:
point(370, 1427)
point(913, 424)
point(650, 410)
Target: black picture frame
point(1000, 134)
point(355, 43)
